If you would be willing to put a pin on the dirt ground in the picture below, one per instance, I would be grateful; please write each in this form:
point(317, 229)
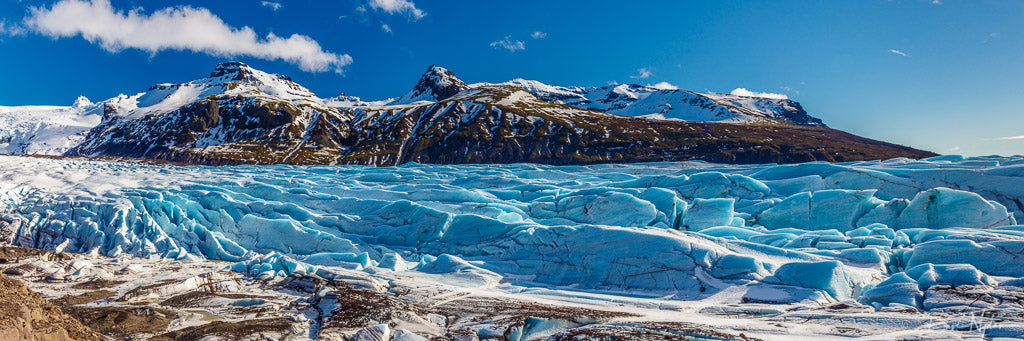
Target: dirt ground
point(26, 316)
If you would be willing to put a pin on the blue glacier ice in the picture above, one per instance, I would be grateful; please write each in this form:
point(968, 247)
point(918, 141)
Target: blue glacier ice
point(881, 232)
point(829, 276)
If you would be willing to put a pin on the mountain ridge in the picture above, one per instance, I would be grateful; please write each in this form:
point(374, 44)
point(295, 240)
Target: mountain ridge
point(240, 115)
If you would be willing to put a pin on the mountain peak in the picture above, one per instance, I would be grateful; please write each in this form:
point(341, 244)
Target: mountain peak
point(252, 79)
point(436, 84)
point(441, 82)
point(234, 70)
point(82, 102)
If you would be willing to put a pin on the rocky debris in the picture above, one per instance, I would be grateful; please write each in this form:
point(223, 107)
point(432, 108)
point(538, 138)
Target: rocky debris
point(260, 329)
point(84, 298)
point(98, 283)
point(174, 301)
point(123, 321)
point(26, 316)
point(646, 332)
point(154, 299)
point(14, 254)
point(211, 282)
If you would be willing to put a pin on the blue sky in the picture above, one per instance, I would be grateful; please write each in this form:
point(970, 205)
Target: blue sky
point(939, 75)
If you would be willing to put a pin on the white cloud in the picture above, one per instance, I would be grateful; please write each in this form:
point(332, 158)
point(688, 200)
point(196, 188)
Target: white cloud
point(179, 28)
point(509, 44)
point(10, 30)
point(642, 73)
point(273, 5)
point(747, 93)
point(538, 35)
point(899, 53)
point(936, 2)
point(386, 28)
point(398, 7)
point(665, 86)
point(1010, 138)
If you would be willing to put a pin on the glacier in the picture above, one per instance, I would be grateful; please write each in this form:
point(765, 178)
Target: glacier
point(889, 234)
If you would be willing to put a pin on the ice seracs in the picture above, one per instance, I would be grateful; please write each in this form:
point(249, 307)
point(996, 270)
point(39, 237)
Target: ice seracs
point(680, 230)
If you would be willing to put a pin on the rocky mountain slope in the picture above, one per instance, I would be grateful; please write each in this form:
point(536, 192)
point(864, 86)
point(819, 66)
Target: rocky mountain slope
point(26, 316)
point(240, 115)
point(237, 114)
point(503, 124)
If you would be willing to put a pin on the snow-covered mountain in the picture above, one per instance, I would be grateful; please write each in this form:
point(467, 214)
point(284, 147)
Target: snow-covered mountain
point(671, 104)
point(437, 84)
point(651, 102)
point(237, 113)
point(443, 120)
point(242, 115)
point(48, 130)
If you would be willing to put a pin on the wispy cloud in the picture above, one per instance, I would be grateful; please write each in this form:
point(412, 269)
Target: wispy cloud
point(398, 7)
point(642, 73)
point(936, 2)
point(10, 30)
point(747, 93)
point(664, 86)
point(276, 6)
point(538, 35)
point(385, 28)
point(182, 28)
point(899, 52)
point(509, 44)
point(1011, 138)
point(990, 37)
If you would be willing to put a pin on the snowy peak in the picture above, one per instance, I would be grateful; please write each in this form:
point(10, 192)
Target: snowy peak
point(82, 102)
point(437, 84)
point(234, 70)
point(242, 73)
point(237, 75)
point(653, 102)
point(228, 81)
point(782, 109)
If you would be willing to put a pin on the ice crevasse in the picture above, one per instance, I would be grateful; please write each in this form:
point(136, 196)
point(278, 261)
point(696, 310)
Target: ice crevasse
point(882, 232)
